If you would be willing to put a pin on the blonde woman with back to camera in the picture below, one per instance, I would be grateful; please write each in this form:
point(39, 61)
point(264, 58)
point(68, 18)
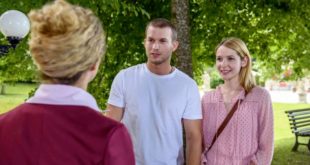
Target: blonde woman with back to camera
point(237, 115)
point(62, 124)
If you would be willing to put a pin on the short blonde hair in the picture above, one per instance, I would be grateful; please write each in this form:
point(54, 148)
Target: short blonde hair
point(246, 78)
point(65, 41)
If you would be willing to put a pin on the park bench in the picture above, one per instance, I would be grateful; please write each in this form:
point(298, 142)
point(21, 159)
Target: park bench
point(300, 125)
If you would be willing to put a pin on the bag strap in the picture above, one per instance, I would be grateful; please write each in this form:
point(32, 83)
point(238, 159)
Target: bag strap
point(225, 122)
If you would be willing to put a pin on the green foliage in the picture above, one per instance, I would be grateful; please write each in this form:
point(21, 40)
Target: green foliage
point(216, 80)
point(124, 23)
point(17, 64)
point(276, 32)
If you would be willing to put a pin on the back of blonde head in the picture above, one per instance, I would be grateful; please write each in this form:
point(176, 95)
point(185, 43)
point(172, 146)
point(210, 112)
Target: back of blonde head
point(65, 41)
point(246, 78)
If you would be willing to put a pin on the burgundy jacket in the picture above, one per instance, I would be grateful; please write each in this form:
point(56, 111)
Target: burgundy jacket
point(43, 134)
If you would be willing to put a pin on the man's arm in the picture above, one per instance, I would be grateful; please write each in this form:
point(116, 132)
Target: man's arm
point(193, 141)
point(115, 112)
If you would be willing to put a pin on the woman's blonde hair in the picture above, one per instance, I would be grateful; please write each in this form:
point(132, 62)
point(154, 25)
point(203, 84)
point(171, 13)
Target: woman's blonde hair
point(65, 41)
point(246, 78)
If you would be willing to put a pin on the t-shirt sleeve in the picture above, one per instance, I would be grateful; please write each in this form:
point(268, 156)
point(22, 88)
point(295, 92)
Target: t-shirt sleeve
point(119, 149)
point(193, 103)
point(116, 96)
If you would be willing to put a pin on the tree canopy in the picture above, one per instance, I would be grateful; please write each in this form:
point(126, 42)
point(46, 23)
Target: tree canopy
point(275, 31)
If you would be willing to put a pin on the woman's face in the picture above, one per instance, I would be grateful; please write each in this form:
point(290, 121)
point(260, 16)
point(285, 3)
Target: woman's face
point(228, 63)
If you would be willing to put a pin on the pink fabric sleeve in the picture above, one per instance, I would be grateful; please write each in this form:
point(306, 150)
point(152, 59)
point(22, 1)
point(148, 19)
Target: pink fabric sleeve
point(266, 133)
point(119, 149)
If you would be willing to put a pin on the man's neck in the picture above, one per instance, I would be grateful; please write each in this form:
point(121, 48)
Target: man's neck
point(161, 69)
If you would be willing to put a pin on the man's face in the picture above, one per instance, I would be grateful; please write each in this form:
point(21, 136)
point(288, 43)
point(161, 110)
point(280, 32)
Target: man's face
point(159, 45)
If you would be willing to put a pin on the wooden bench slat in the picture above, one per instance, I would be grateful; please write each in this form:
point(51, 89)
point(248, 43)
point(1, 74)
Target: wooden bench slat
point(299, 122)
point(298, 118)
point(297, 110)
point(300, 126)
point(298, 113)
point(304, 134)
point(304, 130)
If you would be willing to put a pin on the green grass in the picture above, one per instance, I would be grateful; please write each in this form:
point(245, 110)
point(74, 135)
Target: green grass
point(284, 156)
point(15, 94)
point(284, 139)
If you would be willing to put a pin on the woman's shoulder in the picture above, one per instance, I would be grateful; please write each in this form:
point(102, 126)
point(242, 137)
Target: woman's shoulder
point(259, 93)
point(259, 90)
point(210, 96)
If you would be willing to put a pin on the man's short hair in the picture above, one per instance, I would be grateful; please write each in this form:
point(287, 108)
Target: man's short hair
point(162, 23)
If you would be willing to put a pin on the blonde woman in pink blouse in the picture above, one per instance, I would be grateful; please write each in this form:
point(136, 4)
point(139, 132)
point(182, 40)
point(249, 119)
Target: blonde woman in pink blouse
point(247, 138)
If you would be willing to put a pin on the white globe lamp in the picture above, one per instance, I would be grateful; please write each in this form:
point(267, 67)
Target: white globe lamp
point(14, 25)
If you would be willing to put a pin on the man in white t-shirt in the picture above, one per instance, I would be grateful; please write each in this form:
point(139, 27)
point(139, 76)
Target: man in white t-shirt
point(154, 99)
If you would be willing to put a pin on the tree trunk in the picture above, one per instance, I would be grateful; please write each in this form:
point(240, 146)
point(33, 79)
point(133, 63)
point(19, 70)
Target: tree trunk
point(2, 92)
point(180, 18)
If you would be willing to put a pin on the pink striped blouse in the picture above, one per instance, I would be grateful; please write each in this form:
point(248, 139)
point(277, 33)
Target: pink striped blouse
point(249, 134)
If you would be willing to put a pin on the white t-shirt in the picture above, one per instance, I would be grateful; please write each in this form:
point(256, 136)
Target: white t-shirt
point(154, 108)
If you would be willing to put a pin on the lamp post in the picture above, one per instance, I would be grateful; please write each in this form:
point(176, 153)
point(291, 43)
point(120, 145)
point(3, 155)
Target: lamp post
point(14, 25)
